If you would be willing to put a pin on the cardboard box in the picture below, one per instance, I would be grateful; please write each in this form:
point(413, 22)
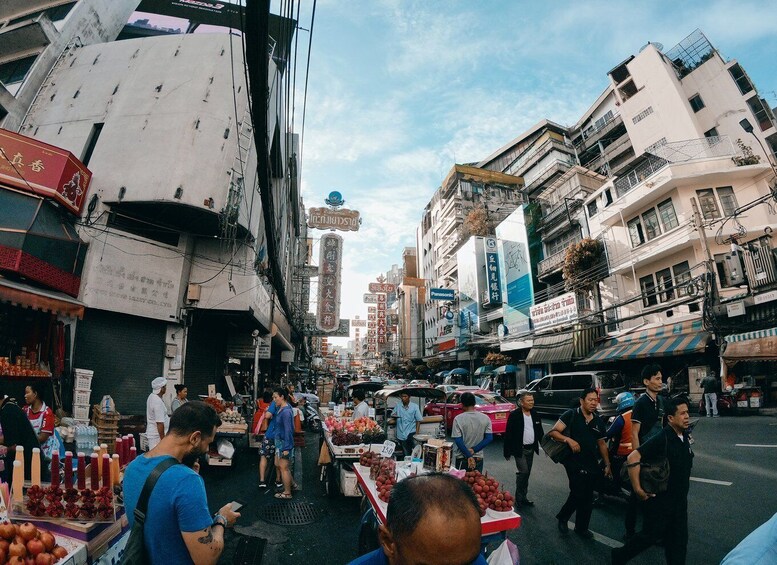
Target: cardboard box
point(437, 455)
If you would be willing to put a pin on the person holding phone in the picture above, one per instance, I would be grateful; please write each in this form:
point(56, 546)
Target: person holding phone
point(284, 439)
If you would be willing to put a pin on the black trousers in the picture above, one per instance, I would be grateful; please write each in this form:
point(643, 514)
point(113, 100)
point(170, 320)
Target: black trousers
point(580, 501)
point(664, 517)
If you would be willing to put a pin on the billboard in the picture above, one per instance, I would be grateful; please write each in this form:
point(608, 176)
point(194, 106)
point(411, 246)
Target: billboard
point(33, 166)
point(492, 295)
point(513, 243)
point(370, 298)
point(441, 294)
point(556, 311)
point(329, 266)
point(357, 323)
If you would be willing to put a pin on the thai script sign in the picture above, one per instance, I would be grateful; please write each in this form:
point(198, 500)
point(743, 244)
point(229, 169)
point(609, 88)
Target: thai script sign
point(329, 266)
point(33, 166)
point(357, 323)
point(559, 310)
point(327, 218)
point(370, 298)
point(382, 287)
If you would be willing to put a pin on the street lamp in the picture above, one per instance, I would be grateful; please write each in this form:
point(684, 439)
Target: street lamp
point(748, 127)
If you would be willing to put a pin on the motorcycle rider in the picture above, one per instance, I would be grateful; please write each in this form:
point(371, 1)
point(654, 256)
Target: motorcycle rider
point(620, 432)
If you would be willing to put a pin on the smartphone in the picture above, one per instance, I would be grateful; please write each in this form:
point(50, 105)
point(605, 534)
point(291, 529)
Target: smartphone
point(237, 505)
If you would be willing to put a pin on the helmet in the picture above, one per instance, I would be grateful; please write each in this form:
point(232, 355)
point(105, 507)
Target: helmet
point(624, 400)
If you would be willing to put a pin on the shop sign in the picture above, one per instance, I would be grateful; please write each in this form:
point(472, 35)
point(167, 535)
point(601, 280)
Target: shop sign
point(381, 316)
point(559, 310)
point(382, 287)
point(735, 309)
point(372, 309)
point(765, 297)
point(446, 345)
point(442, 294)
point(327, 218)
point(357, 323)
point(263, 345)
point(493, 293)
point(382, 339)
point(381, 298)
point(392, 320)
point(372, 324)
point(329, 266)
point(33, 166)
point(381, 306)
point(370, 298)
point(343, 330)
point(372, 317)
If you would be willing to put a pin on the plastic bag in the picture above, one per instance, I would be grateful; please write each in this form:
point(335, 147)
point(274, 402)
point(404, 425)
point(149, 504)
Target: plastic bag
point(107, 404)
point(505, 554)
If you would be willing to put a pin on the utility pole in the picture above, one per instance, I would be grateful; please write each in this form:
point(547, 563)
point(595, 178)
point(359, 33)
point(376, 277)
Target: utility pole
point(709, 261)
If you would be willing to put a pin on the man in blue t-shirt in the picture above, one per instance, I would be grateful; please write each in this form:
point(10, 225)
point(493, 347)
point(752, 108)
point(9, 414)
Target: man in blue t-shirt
point(431, 518)
point(179, 527)
point(408, 418)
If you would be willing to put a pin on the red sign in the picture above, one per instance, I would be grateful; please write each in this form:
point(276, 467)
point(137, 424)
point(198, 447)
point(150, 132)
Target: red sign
point(381, 306)
point(381, 298)
point(34, 166)
point(382, 287)
point(446, 345)
point(329, 266)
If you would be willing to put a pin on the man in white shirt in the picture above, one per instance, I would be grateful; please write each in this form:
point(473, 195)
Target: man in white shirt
point(360, 407)
point(522, 441)
point(157, 419)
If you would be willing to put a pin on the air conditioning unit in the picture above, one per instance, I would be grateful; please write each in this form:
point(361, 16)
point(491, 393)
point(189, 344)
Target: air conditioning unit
point(759, 263)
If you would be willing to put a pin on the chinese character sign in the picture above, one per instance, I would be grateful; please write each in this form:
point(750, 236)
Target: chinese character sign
point(493, 292)
point(329, 266)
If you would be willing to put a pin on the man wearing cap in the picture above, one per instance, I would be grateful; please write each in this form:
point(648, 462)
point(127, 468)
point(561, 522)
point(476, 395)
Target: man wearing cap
point(157, 419)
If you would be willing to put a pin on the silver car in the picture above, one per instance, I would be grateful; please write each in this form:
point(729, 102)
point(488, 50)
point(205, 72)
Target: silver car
point(556, 393)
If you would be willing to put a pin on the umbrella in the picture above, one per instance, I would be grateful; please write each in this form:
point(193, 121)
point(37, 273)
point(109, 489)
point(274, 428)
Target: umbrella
point(483, 370)
point(441, 374)
point(458, 371)
point(506, 369)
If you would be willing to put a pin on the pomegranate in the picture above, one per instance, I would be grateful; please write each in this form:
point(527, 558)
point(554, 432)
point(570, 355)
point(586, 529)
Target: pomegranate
point(44, 559)
point(17, 549)
point(48, 540)
point(35, 546)
point(15, 560)
point(28, 531)
point(4, 543)
point(7, 531)
point(59, 552)
point(3, 555)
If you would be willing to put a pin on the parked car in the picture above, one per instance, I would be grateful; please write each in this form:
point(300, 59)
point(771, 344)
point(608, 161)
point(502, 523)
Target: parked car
point(556, 393)
point(450, 388)
point(494, 406)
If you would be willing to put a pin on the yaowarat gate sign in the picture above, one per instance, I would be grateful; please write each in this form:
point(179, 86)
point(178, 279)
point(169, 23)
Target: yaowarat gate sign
point(329, 266)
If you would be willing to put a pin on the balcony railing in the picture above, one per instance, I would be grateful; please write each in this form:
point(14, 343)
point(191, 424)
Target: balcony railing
point(675, 152)
point(552, 263)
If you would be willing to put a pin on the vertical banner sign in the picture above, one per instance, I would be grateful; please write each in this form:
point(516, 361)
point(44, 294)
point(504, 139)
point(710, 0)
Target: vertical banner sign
point(329, 265)
point(493, 295)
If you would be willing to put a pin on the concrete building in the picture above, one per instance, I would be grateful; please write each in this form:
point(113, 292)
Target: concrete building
point(176, 275)
point(410, 300)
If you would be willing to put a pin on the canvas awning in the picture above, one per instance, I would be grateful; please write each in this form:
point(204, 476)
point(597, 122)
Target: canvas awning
point(20, 294)
point(562, 347)
point(760, 345)
point(681, 338)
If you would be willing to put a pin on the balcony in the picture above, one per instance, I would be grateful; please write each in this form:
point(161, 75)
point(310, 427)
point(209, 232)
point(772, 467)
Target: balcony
point(551, 264)
point(557, 167)
point(449, 266)
point(588, 139)
point(622, 257)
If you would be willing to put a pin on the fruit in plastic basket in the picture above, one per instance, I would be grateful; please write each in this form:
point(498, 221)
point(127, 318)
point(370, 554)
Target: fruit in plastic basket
point(35, 546)
point(28, 531)
point(59, 552)
point(7, 530)
point(48, 540)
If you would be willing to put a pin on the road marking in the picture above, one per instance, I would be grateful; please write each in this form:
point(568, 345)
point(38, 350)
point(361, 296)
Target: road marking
point(712, 482)
point(609, 542)
point(753, 445)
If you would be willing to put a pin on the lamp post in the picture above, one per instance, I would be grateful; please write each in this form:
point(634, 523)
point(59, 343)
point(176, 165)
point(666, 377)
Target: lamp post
point(748, 127)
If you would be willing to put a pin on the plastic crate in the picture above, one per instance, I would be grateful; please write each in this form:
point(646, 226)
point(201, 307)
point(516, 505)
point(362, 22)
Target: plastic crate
point(143, 441)
point(83, 380)
point(81, 412)
point(81, 397)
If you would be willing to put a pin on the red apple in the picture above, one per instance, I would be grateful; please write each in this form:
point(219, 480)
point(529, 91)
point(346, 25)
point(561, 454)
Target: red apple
point(35, 546)
point(28, 531)
point(48, 540)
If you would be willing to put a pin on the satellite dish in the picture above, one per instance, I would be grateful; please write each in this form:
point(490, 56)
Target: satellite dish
point(657, 45)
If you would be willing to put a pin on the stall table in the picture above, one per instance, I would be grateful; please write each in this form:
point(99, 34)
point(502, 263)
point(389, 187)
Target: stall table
point(338, 476)
point(489, 524)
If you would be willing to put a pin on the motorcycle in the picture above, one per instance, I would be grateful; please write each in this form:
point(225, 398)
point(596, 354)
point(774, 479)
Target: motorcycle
point(726, 404)
point(312, 421)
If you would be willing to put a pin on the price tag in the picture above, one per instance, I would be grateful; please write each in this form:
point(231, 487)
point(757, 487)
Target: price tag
point(338, 411)
point(371, 413)
point(388, 449)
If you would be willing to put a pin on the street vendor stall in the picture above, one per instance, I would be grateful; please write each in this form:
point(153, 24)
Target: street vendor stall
point(387, 398)
point(233, 430)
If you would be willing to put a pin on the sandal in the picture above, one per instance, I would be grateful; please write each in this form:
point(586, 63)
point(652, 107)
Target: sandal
point(262, 485)
point(295, 486)
point(282, 495)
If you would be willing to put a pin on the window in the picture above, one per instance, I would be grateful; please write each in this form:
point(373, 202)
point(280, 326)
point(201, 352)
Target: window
point(709, 206)
point(696, 102)
point(642, 115)
point(682, 275)
point(727, 200)
point(593, 209)
point(607, 197)
point(138, 226)
point(648, 286)
point(636, 234)
point(760, 112)
point(711, 132)
point(628, 90)
point(667, 215)
point(570, 382)
point(665, 285)
point(650, 224)
point(742, 80)
point(91, 143)
point(16, 71)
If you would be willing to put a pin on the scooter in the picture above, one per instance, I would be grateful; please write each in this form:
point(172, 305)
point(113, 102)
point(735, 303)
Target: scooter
point(312, 419)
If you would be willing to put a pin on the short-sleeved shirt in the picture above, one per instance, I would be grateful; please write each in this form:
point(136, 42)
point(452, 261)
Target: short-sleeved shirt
point(47, 424)
point(471, 427)
point(177, 504)
point(587, 434)
point(680, 455)
point(646, 413)
point(362, 410)
point(406, 419)
point(270, 432)
point(284, 428)
point(758, 548)
point(709, 384)
point(156, 413)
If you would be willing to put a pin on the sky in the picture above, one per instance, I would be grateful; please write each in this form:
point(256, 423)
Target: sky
point(401, 90)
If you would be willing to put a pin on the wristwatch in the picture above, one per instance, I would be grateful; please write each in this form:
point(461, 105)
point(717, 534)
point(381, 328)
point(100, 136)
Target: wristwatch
point(220, 520)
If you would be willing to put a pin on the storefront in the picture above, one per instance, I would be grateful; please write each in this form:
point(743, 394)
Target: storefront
point(750, 360)
point(560, 349)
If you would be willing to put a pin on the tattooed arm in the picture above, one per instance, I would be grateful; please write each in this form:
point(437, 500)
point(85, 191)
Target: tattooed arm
point(205, 546)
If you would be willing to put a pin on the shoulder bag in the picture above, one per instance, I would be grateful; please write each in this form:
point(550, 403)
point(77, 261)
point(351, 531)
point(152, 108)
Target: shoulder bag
point(135, 550)
point(653, 475)
point(556, 450)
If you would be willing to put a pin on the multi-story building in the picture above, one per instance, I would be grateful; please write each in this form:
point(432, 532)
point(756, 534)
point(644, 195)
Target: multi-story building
point(410, 300)
point(176, 278)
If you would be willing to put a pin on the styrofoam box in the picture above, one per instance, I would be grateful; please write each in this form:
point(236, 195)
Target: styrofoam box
point(76, 551)
point(81, 412)
point(81, 397)
point(348, 483)
point(83, 381)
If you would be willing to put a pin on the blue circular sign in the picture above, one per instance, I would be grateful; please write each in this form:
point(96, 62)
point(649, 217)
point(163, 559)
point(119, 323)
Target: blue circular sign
point(335, 199)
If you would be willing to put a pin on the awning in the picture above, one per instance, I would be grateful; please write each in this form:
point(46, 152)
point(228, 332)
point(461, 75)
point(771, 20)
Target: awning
point(20, 294)
point(760, 345)
point(553, 348)
point(665, 341)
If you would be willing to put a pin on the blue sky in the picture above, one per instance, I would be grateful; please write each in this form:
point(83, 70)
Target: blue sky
point(399, 91)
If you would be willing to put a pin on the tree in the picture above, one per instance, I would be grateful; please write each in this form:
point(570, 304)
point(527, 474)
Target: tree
point(496, 359)
point(433, 364)
point(478, 223)
point(420, 369)
point(580, 262)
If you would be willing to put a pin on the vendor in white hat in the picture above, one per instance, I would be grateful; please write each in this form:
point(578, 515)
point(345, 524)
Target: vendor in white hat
point(157, 419)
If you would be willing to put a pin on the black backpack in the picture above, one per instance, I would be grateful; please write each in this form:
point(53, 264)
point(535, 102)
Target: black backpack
point(135, 550)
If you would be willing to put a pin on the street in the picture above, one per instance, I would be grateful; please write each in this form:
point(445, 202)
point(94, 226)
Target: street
point(732, 492)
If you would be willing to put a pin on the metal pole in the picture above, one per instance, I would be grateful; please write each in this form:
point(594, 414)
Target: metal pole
point(256, 368)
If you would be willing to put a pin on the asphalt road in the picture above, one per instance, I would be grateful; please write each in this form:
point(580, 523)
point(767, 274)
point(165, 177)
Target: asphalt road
point(732, 493)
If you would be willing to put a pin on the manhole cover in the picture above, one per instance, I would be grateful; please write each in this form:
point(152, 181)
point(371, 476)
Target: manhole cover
point(290, 513)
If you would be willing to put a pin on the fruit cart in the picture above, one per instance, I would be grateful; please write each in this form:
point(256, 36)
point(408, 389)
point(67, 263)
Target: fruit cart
point(376, 483)
point(233, 429)
point(386, 399)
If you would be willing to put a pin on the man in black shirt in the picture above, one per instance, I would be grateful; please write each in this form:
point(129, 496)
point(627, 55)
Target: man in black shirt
point(17, 430)
point(647, 416)
point(585, 437)
point(666, 513)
